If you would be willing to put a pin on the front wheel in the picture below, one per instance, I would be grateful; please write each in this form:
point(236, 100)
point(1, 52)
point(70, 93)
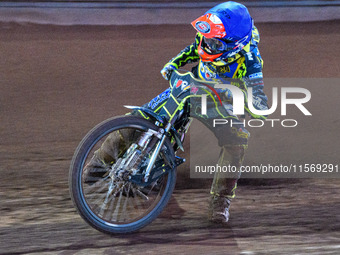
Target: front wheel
point(106, 200)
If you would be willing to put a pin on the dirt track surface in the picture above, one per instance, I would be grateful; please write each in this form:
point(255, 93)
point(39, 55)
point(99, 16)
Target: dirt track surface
point(57, 83)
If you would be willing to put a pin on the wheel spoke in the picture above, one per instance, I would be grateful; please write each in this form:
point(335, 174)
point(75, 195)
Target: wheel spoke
point(136, 202)
point(115, 214)
point(107, 198)
point(153, 185)
point(101, 185)
point(142, 195)
point(97, 200)
point(99, 197)
point(110, 208)
point(127, 198)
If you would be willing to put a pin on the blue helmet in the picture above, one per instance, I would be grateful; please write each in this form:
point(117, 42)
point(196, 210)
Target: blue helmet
point(226, 30)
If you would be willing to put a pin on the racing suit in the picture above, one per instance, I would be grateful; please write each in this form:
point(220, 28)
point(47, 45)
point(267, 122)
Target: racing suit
point(246, 66)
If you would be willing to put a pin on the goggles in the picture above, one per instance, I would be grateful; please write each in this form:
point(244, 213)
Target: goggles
point(216, 46)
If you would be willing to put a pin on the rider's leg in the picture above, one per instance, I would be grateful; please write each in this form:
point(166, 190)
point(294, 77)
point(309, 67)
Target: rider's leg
point(224, 184)
point(233, 140)
point(108, 153)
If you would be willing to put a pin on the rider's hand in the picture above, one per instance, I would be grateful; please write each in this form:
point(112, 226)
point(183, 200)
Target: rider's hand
point(167, 70)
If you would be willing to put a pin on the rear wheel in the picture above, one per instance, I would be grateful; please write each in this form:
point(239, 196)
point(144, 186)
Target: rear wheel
point(102, 190)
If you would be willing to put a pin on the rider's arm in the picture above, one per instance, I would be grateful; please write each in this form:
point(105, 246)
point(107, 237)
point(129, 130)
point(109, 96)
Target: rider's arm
point(254, 78)
point(187, 55)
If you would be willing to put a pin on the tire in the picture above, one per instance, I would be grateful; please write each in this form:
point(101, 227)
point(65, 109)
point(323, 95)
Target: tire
point(109, 216)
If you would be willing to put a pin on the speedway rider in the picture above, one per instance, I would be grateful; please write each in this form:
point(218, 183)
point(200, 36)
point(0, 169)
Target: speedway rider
point(225, 47)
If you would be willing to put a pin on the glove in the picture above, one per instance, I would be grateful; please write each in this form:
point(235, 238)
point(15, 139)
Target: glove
point(167, 70)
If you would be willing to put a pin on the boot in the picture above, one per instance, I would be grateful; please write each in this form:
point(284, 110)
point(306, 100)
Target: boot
point(111, 149)
point(219, 209)
point(95, 169)
point(224, 184)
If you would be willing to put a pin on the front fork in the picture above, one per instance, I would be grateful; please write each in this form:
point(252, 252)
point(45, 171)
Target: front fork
point(156, 152)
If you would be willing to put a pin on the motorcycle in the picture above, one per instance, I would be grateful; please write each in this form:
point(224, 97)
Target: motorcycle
point(123, 172)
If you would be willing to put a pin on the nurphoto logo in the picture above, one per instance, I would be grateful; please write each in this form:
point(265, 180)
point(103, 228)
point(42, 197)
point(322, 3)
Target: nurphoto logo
point(239, 102)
